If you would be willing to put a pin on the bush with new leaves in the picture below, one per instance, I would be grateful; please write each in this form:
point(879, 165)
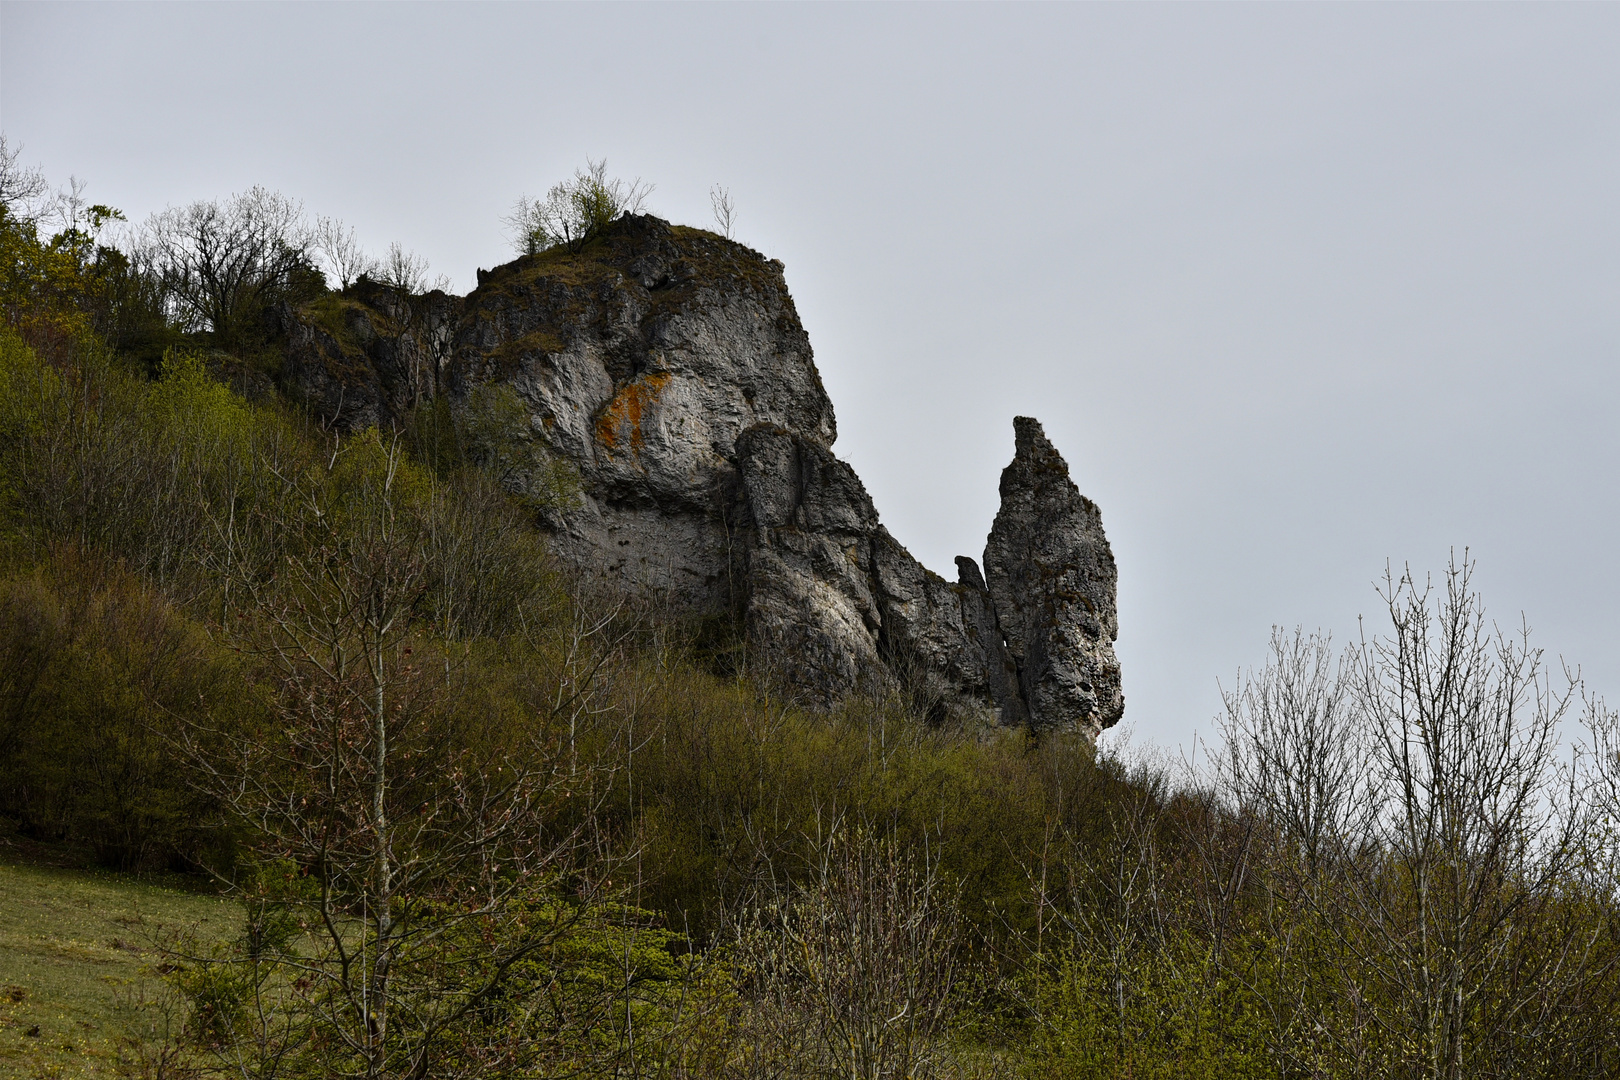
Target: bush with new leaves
point(574, 210)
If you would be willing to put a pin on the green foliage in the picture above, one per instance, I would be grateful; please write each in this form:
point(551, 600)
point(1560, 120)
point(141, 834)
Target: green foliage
point(94, 670)
point(1158, 1011)
point(575, 210)
point(174, 479)
point(480, 824)
point(539, 984)
point(497, 435)
point(738, 785)
point(55, 287)
point(46, 285)
point(490, 432)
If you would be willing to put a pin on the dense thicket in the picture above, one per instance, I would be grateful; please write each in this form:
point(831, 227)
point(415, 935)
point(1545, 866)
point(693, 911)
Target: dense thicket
point(484, 821)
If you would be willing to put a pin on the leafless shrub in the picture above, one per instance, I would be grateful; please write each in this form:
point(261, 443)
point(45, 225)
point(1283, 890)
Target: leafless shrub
point(851, 971)
point(725, 210)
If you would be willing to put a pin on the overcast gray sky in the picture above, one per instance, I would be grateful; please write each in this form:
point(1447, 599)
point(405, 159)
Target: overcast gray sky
point(1297, 290)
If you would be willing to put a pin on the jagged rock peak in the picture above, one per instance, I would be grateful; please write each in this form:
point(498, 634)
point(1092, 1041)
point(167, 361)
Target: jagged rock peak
point(1052, 579)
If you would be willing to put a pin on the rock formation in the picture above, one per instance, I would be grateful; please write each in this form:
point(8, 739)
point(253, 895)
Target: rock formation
point(1051, 577)
point(642, 360)
point(833, 604)
point(366, 357)
point(667, 368)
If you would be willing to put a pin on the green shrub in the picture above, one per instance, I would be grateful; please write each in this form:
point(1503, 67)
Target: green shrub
point(96, 672)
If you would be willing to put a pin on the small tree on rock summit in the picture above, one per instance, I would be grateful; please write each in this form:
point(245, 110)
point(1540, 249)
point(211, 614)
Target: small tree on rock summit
point(574, 210)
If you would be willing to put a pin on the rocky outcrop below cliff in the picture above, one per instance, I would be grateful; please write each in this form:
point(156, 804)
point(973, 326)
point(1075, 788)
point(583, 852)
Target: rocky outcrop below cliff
point(668, 368)
point(366, 357)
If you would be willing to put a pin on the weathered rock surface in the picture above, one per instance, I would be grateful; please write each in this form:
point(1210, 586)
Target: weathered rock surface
point(1052, 583)
point(643, 359)
point(668, 368)
point(834, 604)
point(367, 357)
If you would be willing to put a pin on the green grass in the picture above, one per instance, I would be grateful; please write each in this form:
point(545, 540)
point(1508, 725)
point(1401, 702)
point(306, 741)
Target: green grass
point(77, 949)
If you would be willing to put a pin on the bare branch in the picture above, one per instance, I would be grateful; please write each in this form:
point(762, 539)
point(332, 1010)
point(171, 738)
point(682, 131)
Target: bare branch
point(725, 210)
point(340, 248)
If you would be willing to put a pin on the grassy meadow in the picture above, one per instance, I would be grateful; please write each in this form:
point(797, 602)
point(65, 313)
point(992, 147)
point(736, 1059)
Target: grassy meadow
point(78, 949)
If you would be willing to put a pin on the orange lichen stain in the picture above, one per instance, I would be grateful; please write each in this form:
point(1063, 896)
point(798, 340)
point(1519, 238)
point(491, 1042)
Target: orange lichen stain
point(622, 417)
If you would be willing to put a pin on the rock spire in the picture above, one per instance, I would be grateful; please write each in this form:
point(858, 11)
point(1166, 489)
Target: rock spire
point(1052, 581)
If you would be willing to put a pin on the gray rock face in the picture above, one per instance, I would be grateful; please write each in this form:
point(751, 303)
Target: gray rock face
point(834, 605)
point(668, 369)
point(365, 358)
point(1052, 582)
point(993, 658)
point(642, 359)
point(806, 527)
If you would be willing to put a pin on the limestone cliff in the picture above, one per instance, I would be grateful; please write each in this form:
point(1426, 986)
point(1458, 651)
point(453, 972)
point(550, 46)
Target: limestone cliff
point(669, 368)
point(643, 359)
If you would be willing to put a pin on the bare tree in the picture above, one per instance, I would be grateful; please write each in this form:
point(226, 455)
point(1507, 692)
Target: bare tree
point(406, 272)
point(340, 248)
point(1294, 766)
point(1292, 744)
point(21, 187)
point(25, 196)
point(851, 971)
point(221, 263)
point(410, 864)
point(403, 270)
point(1453, 863)
point(1601, 777)
point(1423, 848)
point(725, 210)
